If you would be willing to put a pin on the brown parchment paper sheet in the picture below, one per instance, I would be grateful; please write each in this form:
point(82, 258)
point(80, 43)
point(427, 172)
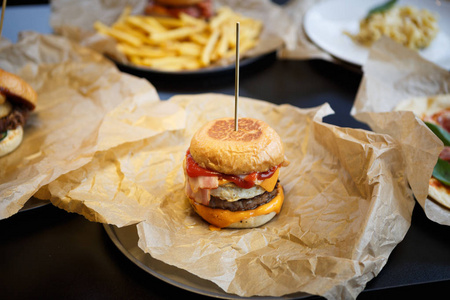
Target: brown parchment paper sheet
point(394, 74)
point(278, 26)
point(347, 205)
point(85, 105)
point(297, 43)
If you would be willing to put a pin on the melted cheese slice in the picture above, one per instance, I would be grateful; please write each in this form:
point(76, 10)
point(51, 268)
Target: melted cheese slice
point(267, 184)
point(222, 218)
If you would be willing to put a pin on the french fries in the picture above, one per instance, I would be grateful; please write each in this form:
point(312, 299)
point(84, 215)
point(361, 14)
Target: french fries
point(185, 43)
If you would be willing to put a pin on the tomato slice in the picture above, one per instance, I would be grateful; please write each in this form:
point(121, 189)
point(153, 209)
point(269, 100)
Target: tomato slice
point(245, 182)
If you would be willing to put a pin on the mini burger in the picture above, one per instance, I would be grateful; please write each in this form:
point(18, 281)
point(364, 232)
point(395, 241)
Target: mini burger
point(173, 8)
point(232, 176)
point(17, 99)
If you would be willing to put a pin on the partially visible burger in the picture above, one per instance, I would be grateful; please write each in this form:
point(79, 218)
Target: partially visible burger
point(173, 8)
point(17, 99)
point(231, 177)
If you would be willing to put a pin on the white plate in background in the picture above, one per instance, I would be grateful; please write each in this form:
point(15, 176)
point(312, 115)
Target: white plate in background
point(326, 21)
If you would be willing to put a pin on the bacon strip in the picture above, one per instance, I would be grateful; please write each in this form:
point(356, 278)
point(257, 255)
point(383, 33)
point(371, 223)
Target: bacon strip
point(203, 182)
point(201, 195)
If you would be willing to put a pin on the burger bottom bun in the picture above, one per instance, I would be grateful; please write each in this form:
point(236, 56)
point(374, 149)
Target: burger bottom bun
point(253, 221)
point(11, 141)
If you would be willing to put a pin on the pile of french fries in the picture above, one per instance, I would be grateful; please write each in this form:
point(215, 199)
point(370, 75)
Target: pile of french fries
point(183, 43)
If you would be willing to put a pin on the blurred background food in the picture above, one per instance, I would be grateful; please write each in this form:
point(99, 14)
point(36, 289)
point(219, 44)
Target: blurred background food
point(412, 27)
point(183, 42)
point(173, 8)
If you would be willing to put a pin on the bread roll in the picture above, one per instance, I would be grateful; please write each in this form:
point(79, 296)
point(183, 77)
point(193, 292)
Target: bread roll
point(17, 90)
point(255, 147)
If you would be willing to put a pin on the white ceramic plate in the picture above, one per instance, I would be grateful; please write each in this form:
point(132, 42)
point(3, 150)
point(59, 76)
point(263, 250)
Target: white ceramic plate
point(126, 240)
point(203, 72)
point(325, 22)
point(33, 203)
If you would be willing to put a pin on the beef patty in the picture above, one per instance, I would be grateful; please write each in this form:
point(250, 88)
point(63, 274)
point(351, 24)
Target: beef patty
point(244, 204)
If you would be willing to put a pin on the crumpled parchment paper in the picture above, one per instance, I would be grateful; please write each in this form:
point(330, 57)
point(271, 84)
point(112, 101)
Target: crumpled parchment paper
point(85, 106)
point(347, 205)
point(394, 74)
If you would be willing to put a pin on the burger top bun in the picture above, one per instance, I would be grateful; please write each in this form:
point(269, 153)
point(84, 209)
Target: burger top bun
point(17, 90)
point(255, 147)
point(178, 2)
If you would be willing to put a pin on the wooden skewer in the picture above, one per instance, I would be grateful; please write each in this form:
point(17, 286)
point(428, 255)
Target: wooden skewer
point(236, 81)
point(3, 15)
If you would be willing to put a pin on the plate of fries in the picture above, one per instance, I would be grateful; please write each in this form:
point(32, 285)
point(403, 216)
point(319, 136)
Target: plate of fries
point(184, 44)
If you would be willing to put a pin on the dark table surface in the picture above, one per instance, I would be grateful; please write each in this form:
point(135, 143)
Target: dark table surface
point(49, 253)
